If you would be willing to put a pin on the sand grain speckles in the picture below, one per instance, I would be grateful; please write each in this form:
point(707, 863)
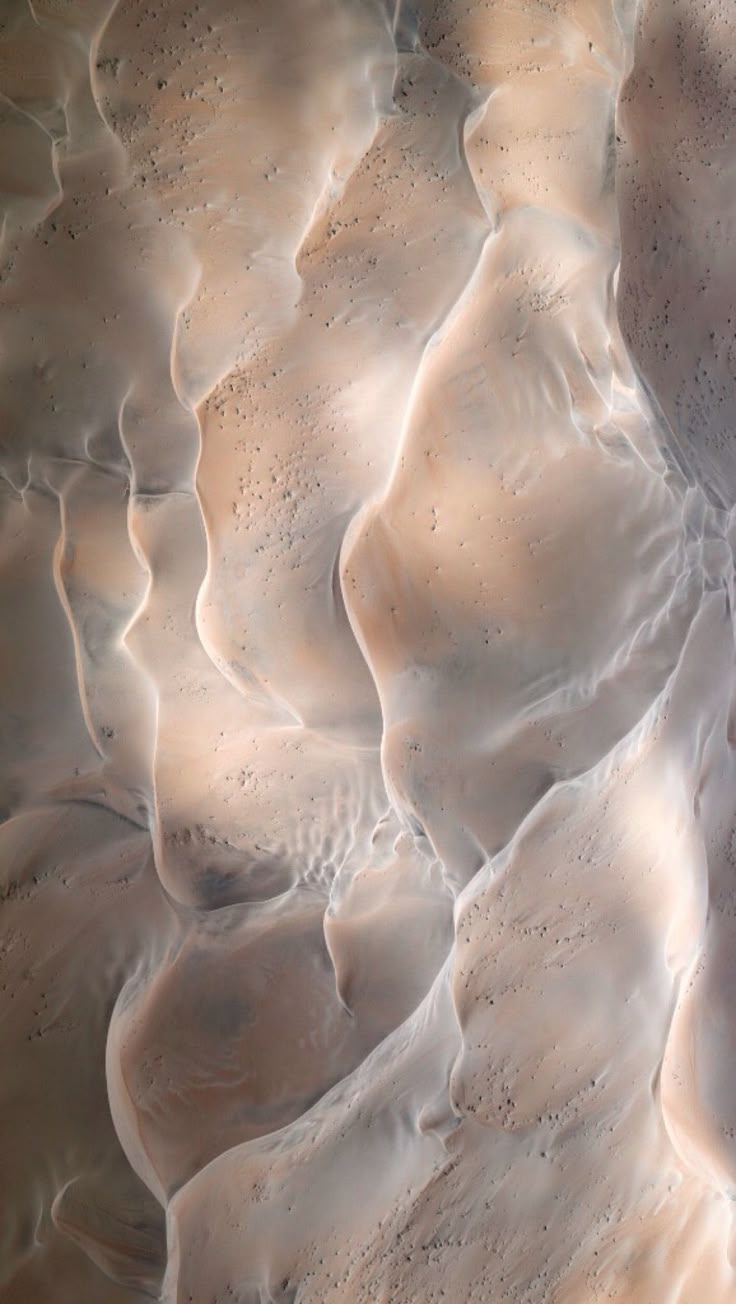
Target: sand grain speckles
point(366, 485)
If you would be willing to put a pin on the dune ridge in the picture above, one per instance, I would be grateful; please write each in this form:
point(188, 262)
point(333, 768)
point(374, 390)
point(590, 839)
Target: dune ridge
point(368, 733)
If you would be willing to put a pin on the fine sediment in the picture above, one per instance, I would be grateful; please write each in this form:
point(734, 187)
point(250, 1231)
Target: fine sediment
point(366, 492)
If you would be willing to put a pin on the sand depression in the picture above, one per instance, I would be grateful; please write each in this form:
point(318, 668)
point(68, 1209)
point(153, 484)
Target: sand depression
point(367, 475)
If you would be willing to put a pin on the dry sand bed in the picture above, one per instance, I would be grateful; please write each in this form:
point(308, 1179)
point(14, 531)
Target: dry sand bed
point(368, 840)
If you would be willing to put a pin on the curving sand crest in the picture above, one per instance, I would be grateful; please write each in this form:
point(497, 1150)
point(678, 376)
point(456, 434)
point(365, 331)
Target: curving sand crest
point(369, 722)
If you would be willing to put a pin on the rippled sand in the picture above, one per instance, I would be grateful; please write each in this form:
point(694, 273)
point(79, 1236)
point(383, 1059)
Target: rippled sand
point(367, 400)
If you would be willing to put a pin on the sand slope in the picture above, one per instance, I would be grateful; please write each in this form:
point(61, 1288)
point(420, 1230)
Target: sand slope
point(367, 750)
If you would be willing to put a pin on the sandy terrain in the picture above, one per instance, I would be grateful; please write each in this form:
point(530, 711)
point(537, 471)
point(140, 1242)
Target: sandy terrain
point(368, 739)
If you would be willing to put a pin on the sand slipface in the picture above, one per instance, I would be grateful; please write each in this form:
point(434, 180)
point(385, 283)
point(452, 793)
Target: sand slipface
point(369, 710)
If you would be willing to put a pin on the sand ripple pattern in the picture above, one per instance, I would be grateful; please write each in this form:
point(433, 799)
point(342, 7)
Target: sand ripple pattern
point(368, 740)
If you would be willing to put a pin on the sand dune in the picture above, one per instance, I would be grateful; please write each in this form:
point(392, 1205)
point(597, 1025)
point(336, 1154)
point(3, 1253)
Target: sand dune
point(366, 487)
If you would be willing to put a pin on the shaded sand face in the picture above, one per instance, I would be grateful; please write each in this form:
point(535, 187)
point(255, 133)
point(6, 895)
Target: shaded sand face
point(366, 482)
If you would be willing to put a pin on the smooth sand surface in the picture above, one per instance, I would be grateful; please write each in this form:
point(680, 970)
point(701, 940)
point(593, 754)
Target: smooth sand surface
point(368, 840)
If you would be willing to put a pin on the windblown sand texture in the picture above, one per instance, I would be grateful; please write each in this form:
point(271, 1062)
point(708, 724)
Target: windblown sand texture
point(367, 470)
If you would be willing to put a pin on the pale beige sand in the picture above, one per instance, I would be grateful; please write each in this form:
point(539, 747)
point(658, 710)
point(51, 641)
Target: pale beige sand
point(366, 421)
